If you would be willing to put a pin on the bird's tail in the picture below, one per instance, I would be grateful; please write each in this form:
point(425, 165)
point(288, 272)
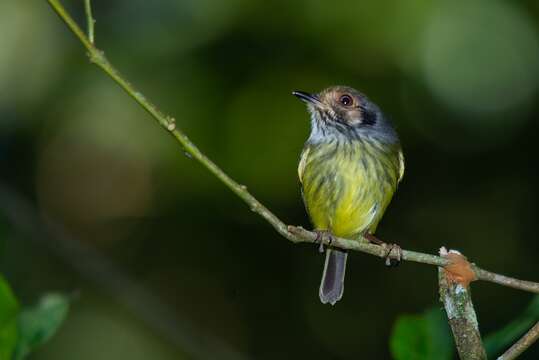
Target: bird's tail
point(332, 285)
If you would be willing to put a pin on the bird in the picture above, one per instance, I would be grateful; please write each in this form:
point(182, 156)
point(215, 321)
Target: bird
point(349, 169)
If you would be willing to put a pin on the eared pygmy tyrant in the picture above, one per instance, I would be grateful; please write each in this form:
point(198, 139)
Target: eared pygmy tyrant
point(349, 170)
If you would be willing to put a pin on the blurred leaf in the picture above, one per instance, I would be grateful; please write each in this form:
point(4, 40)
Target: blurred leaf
point(9, 309)
point(418, 337)
point(500, 340)
point(38, 324)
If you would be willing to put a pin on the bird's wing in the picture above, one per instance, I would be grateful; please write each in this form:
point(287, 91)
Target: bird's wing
point(401, 165)
point(303, 162)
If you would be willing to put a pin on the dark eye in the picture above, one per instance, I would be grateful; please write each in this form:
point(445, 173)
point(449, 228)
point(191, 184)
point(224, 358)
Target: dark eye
point(346, 100)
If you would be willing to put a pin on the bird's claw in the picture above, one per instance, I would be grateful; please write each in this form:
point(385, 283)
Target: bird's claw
point(320, 239)
point(390, 259)
point(393, 260)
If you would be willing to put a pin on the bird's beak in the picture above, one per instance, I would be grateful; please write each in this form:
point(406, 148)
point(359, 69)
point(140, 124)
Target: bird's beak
point(308, 98)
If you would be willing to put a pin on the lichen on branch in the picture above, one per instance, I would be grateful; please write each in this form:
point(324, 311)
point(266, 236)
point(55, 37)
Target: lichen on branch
point(457, 301)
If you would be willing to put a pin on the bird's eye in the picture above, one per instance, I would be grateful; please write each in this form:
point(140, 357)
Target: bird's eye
point(346, 100)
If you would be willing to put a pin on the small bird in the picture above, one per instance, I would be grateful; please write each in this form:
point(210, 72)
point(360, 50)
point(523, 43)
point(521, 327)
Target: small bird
point(349, 170)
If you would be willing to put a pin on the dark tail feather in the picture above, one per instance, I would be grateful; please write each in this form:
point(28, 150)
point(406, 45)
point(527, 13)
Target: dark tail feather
point(332, 285)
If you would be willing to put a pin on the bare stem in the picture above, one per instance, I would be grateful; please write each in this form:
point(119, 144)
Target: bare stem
point(90, 20)
point(529, 338)
point(292, 233)
point(506, 280)
point(459, 308)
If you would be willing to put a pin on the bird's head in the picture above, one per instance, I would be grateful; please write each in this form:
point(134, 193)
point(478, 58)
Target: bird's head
point(344, 110)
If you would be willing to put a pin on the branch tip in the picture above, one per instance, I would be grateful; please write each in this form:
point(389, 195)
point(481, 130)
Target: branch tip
point(89, 20)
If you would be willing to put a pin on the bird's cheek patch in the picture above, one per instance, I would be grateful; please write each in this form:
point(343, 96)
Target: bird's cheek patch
point(369, 117)
point(353, 117)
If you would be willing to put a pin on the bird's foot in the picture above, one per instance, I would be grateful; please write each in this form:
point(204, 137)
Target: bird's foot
point(320, 235)
point(393, 255)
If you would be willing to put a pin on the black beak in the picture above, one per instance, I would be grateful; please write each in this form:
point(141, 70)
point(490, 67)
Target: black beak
point(308, 98)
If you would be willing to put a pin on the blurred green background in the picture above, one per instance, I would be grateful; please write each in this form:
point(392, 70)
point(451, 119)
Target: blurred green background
point(165, 262)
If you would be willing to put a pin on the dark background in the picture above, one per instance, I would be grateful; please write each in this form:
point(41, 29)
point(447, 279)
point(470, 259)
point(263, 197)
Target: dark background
point(164, 262)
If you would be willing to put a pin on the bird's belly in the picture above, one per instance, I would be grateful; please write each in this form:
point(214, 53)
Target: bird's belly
point(343, 206)
point(354, 212)
point(345, 197)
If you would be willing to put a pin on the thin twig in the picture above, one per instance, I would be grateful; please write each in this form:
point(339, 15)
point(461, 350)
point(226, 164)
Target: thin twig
point(460, 312)
point(502, 339)
point(90, 20)
point(294, 234)
point(506, 280)
point(529, 338)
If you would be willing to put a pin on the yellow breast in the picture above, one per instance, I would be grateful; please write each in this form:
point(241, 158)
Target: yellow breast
point(347, 186)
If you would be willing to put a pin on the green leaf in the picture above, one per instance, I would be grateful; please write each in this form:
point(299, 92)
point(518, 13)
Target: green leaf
point(499, 341)
point(9, 309)
point(38, 324)
point(422, 337)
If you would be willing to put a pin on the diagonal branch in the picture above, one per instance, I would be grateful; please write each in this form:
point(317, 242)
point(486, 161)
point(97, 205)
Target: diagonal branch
point(528, 339)
point(292, 233)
